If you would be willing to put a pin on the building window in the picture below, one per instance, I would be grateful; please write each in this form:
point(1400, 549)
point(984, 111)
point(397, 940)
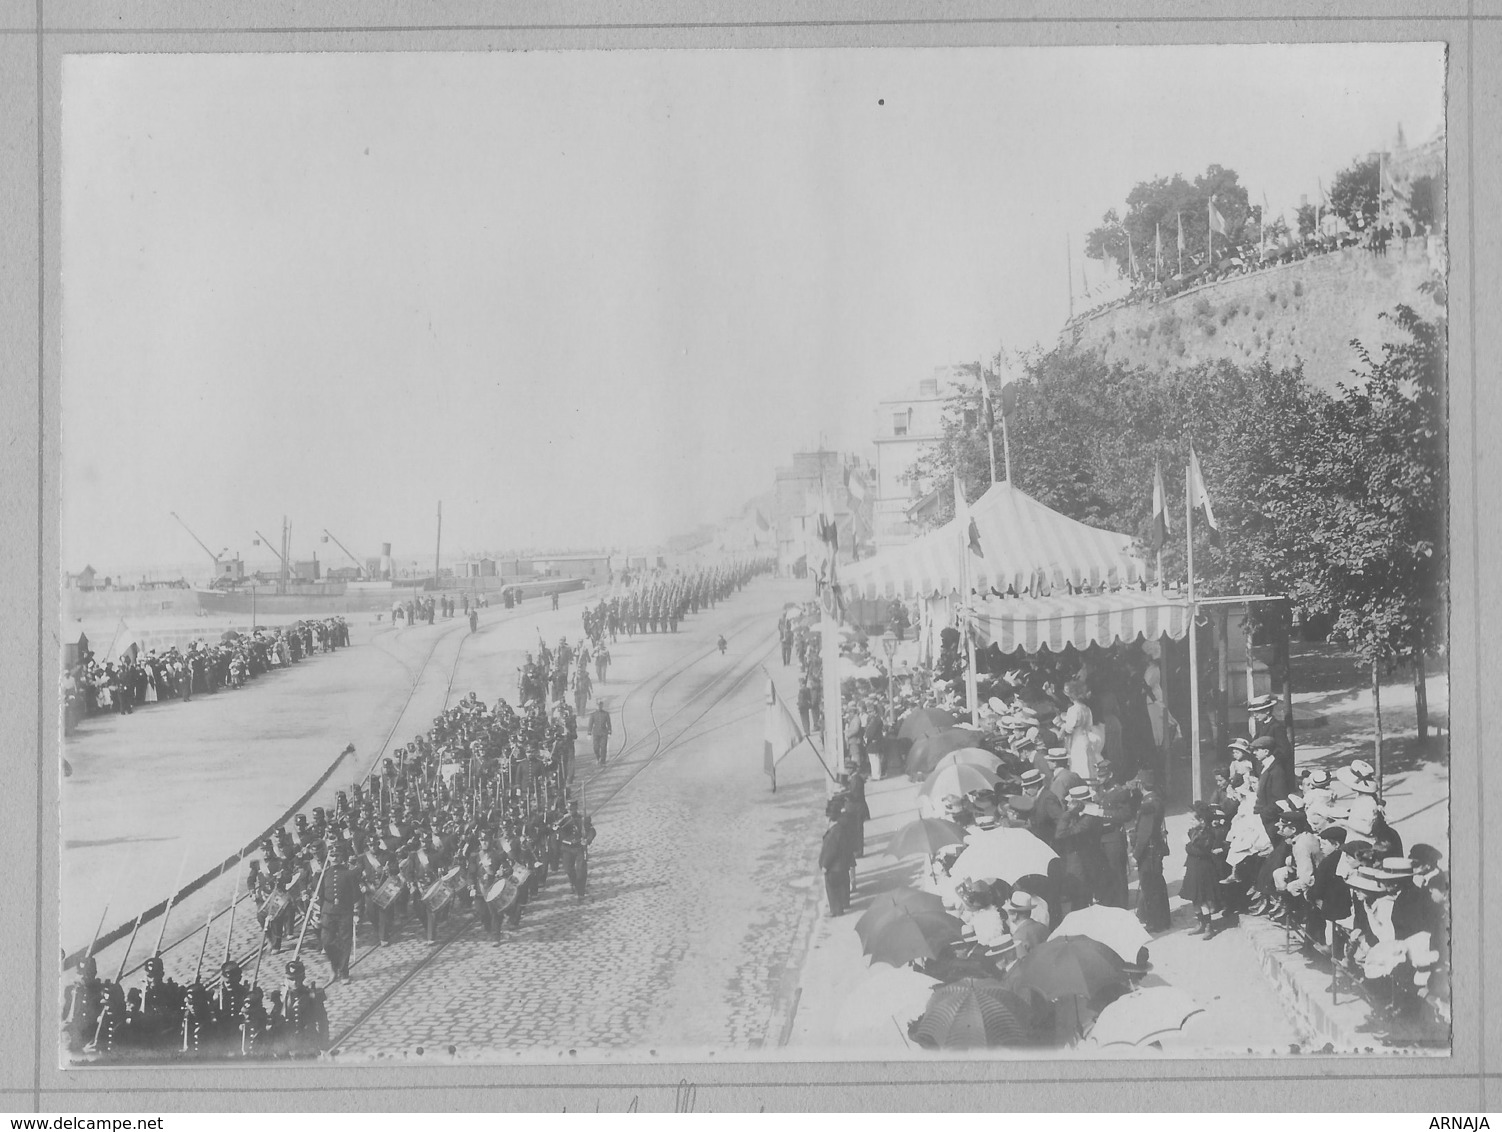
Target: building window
point(899, 424)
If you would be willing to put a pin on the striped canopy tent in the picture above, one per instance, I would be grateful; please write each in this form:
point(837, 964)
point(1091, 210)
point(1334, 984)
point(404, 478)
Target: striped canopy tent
point(1029, 548)
point(1081, 620)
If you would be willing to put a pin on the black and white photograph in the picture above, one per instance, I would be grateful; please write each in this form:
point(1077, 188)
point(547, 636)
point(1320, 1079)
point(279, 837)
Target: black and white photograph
point(818, 554)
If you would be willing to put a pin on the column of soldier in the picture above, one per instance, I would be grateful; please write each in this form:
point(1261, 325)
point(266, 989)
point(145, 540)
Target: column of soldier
point(466, 823)
point(657, 602)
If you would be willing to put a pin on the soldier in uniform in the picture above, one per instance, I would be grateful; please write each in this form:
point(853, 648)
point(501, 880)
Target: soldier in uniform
point(575, 832)
point(304, 1026)
point(228, 1006)
point(599, 731)
point(82, 1004)
point(198, 1019)
point(161, 1002)
point(337, 896)
point(255, 1025)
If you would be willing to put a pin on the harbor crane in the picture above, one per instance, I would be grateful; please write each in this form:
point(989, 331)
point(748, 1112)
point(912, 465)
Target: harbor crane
point(199, 541)
point(346, 550)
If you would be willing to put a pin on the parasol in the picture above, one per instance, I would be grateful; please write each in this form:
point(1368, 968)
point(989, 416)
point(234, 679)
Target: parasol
point(926, 836)
point(907, 934)
point(971, 756)
point(1004, 853)
point(1143, 1016)
point(897, 900)
point(975, 1014)
point(956, 780)
point(1069, 966)
point(923, 722)
point(1117, 928)
point(927, 751)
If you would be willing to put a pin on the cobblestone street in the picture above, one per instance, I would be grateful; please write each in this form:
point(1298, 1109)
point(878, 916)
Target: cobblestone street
point(697, 881)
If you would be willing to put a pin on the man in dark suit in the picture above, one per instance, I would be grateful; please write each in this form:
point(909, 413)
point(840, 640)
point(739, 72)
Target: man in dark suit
point(1046, 810)
point(837, 860)
point(1272, 785)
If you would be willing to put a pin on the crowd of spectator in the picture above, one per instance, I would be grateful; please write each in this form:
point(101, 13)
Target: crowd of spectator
point(95, 686)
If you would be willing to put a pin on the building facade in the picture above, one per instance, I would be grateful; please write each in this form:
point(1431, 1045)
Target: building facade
point(907, 426)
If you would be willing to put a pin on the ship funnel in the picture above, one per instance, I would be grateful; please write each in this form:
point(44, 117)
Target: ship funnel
point(385, 560)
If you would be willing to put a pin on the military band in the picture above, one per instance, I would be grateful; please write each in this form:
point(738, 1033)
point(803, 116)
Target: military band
point(462, 827)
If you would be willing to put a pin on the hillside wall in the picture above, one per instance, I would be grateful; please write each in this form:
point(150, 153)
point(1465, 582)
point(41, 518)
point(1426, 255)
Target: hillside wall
point(1309, 311)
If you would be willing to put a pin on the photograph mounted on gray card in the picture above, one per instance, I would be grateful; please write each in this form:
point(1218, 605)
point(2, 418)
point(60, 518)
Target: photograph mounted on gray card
point(730, 555)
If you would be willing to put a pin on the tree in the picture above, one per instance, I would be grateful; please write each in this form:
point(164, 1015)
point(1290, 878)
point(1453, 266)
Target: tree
point(1308, 217)
point(1426, 202)
point(1353, 196)
point(1377, 531)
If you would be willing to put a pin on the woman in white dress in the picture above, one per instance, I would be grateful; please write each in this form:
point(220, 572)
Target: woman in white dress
point(1075, 730)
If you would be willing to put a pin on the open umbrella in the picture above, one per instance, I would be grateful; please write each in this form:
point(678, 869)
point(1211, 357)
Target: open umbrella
point(971, 756)
point(927, 751)
point(1003, 853)
point(923, 722)
point(903, 899)
point(906, 934)
point(1144, 1016)
point(975, 1014)
point(956, 780)
point(1069, 966)
point(1117, 928)
point(926, 836)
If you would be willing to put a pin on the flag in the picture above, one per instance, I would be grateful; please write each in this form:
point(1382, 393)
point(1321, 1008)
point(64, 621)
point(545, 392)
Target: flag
point(761, 521)
point(325, 538)
point(1180, 216)
point(1162, 527)
point(255, 542)
point(1217, 221)
point(1131, 257)
point(986, 403)
point(968, 529)
point(782, 733)
point(855, 485)
point(1199, 497)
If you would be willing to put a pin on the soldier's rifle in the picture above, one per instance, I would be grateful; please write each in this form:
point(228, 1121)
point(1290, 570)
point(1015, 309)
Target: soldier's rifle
point(120, 973)
point(234, 899)
point(208, 925)
point(312, 900)
point(99, 927)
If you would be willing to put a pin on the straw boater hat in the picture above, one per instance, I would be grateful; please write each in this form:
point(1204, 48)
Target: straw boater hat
point(1057, 755)
point(1317, 777)
point(1079, 793)
point(1364, 786)
point(1261, 704)
point(1362, 881)
point(1392, 868)
point(1032, 777)
point(1020, 904)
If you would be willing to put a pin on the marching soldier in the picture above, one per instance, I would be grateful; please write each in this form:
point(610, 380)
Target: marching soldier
point(599, 731)
point(229, 1006)
point(337, 897)
point(575, 832)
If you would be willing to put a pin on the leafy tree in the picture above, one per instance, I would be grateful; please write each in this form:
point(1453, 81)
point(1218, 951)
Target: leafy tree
point(1157, 206)
point(1426, 201)
point(1353, 196)
point(1376, 528)
point(1308, 216)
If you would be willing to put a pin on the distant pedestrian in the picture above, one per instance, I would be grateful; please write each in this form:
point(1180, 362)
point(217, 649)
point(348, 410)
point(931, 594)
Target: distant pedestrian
point(599, 731)
point(474, 620)
point(555, 601)
point(721, 644)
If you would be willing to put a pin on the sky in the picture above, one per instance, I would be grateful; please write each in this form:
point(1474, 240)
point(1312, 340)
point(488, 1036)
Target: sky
point(596, 298)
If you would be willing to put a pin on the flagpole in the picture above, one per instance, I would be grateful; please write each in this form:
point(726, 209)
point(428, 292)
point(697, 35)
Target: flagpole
point(1194, 669)
point(990, 432)
point(1209, 244)
point(972, 692)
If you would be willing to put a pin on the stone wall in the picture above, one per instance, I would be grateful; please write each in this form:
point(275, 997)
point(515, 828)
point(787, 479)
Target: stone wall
point(1309, 310)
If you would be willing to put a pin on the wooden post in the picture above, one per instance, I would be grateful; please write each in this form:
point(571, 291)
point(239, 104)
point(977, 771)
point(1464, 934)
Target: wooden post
point(1377, 714)
point(1195, 777)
